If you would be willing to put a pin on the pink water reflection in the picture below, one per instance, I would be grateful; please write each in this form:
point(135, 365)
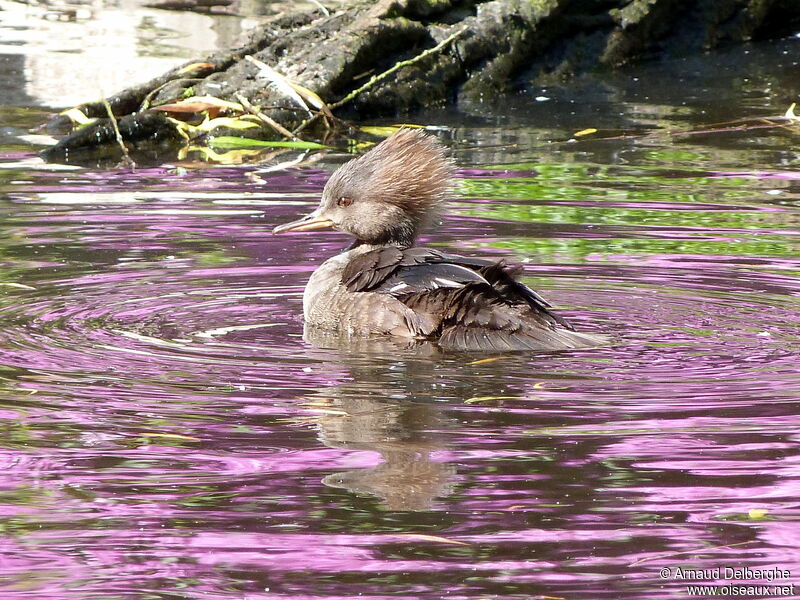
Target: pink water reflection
point(167, 433)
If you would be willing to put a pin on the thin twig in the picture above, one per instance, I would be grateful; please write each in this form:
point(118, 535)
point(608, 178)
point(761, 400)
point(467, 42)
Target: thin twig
point(322, 8)
point(694, 551)
point(403, 63)
point(265, 118)
point(675, 134)
point(330, 119)
point(306, 123)
point(126, 158)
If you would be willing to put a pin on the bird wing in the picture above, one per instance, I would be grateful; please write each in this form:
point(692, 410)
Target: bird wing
point(401, 272)
point(391, 270)
point(365, 272)
point(469, 303)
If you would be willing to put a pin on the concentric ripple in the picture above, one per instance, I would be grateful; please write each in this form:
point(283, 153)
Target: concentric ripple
point(148, 319)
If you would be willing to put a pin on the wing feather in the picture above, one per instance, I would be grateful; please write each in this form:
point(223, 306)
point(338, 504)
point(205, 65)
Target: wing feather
point(467, 303)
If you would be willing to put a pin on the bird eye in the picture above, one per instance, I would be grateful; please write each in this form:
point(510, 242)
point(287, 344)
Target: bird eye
point(344, 201)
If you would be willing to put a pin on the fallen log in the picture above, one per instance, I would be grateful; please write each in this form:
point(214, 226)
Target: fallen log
point(393, 56)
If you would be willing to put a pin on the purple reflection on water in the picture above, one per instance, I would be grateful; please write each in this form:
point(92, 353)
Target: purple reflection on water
point(167, 433)
point(789, 175)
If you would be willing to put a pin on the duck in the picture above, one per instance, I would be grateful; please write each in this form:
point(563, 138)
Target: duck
point(384, 284)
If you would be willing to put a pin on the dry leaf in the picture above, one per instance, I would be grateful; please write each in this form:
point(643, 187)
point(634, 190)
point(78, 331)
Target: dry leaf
point(174, 436)
point(195, 67)
point(484, 361)
point(487, 398)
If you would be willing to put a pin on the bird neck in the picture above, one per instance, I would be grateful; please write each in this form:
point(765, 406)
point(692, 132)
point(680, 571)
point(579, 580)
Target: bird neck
point(403, 245)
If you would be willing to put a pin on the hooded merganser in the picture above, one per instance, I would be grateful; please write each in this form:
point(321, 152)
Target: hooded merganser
point(383, 285)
